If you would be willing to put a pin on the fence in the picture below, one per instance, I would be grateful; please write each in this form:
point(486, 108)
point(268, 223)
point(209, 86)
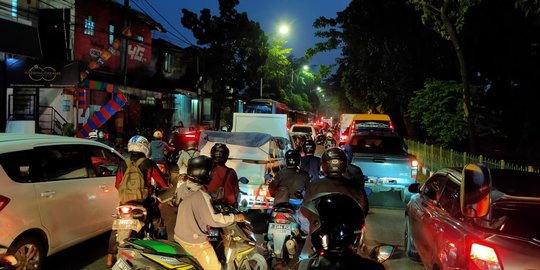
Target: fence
point(433, 158)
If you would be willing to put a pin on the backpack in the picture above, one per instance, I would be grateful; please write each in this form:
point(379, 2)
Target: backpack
point(132, 187)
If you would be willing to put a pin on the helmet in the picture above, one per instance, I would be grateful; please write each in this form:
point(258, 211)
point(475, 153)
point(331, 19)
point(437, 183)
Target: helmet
point(198, 169)
point(138, 143)
point(158, 134)
point(334, 162)
point(340, 223)
point(329, 134)
point(219, 153)
point(292, 158)
point(191, 145)
point(93, 135)
point(101, 134)
point(309, 147)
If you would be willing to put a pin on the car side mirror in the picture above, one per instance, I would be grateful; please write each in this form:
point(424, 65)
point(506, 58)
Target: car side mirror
point(381, 253)
point(414, 188)
point(475, 192)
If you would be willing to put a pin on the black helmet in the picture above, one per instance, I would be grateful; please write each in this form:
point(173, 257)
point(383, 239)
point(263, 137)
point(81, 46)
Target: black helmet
point(340, 222)
point(219, 153)
point(309, 147)
point(334, 162)
point(198, 169)
point(292, 158)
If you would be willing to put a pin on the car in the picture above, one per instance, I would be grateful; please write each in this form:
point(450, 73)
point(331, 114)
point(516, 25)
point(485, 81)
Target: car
point(311, 130)
point(298, 139)
point(475, 218)
point(55, 192)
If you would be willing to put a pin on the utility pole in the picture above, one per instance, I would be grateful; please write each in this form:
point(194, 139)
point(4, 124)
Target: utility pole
point(124, 45)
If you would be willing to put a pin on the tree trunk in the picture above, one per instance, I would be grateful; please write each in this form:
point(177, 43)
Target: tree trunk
point(469, 113)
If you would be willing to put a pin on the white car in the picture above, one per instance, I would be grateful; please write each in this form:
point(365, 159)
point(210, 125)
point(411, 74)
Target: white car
point(311, 130)
point(55, 192)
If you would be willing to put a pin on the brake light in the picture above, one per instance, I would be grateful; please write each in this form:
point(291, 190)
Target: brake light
point(344, 137)
point(125, 210)
point(482, 257)
point(281, 218)
point(3, 202)
point(414, 168)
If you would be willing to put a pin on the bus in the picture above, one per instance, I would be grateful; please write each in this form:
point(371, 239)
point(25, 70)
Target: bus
point(301, 117)
point(266, 106)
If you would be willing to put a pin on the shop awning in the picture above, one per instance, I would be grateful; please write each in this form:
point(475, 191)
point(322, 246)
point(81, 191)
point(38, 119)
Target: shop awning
point(109, 87)
point(19, 39)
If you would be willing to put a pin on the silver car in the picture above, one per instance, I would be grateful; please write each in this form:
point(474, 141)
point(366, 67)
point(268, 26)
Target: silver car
point(475, 218)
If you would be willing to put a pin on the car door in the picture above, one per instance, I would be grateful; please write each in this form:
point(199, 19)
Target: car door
point(422, 212)
point(68, 198)
point(103, 164)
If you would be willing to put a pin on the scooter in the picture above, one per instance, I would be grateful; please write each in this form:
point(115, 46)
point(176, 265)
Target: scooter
point(284, 231)
point(136, 254)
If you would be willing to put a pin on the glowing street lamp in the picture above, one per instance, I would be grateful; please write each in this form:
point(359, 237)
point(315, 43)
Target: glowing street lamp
point(284, 29)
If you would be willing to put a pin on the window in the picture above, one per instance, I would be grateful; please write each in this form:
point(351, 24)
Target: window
point(17, 165)
point(61, 162)
point(104, 163)
point(111, 33)
point(167, 62)
point(433, 187)
point(89, 26)
point(449, 200)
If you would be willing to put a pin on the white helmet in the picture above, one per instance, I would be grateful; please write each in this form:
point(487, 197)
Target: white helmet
point(92, 135)
point(101, 134)
point(138, 143)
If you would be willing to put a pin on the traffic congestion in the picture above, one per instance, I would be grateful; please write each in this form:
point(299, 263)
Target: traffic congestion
point(239, 135)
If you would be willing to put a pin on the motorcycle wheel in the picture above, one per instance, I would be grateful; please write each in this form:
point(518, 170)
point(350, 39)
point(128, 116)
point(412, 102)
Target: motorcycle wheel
point(255, 261)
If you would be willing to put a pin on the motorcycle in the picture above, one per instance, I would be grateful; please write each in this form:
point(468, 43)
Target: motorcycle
point(284, 231)
point(238, 243)
point(164, 168)
point(131, 222)
point(136, 254)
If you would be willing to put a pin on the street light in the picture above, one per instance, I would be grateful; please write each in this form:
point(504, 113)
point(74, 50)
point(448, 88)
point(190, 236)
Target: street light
point(283, 30)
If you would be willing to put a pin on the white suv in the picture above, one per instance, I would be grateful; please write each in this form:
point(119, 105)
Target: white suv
point(55, 192)
point(311, 130)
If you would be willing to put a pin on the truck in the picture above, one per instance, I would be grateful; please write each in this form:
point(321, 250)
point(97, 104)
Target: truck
point(257, 144)
point(384, 160)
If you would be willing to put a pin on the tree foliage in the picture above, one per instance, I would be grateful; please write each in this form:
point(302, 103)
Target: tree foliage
point(438, 109)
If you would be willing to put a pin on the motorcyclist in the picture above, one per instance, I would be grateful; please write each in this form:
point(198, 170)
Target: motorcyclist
point(337, 231)
point(224, 181)
point(158, 147)
point(288, 181)
point(190, 152)
point(355, 173)
point(329, 140)
point(309, 162)
point(138, 147)
point(196, 214)
point(334, 165)
point(102, 138)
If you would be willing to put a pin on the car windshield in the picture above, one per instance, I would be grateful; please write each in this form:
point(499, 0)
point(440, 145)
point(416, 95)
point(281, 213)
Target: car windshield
point(517, 220)
point(377, 143)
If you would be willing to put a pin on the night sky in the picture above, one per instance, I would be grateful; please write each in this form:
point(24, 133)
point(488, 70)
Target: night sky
point(298, 14)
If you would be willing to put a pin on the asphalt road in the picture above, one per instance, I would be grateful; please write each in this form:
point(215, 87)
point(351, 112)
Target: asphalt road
point(384, 225)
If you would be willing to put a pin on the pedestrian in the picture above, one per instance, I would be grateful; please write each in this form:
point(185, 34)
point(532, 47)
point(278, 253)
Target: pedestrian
point(288, 181)
point(196, 214)
point(190, 152)
point(309, 162)
point(138, 148)
point(224, 181)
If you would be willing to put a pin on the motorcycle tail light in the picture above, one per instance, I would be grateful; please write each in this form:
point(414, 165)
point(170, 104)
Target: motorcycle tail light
point(281, 218)
point(124, 210)
point(482, 257)
point(3, 202)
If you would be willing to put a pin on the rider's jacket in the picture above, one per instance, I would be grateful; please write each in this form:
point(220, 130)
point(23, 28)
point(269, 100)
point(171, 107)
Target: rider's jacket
point(339, 261)
point(312, 165)
point(286, 182)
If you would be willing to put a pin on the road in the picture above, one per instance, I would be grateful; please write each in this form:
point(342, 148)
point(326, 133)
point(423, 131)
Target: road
point(383, 225)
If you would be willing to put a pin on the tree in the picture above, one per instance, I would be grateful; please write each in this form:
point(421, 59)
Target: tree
point(234, 49)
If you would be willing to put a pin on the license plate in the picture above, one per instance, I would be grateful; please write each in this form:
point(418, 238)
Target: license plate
point(125, 224)
point(121, 264)
point(275, 228)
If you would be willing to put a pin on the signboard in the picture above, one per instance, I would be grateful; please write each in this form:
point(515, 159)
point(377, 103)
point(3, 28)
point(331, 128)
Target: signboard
point(35, 73)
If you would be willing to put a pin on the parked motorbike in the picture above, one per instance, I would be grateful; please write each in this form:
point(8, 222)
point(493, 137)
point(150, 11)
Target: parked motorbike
point(284, 231)
point(136, 254)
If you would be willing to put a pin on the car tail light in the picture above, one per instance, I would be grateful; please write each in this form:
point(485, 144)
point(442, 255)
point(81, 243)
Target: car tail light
point(3, 202)
point(482, 256)
point(343, 138)
point(414, 168)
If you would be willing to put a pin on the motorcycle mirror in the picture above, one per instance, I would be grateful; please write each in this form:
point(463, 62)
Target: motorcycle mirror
point(243, 180)
point(381, 253)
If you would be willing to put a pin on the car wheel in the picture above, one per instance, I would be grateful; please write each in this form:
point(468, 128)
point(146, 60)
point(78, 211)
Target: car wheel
point(29, 253)
point(410, 249)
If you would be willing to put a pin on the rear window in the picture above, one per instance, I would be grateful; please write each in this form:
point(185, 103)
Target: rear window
point(17, 165)
point(516, 183)
point(377, 144)
point(302, 129)
point(371, 124)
